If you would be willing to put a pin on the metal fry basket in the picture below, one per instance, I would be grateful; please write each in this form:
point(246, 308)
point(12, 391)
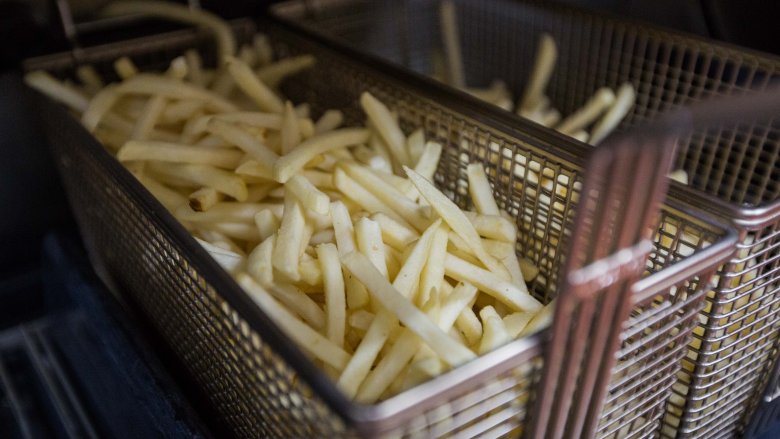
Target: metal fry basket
point(734, 170)
point(263, 385)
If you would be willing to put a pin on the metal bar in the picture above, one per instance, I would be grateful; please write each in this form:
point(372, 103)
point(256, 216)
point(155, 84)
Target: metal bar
point(13, 399)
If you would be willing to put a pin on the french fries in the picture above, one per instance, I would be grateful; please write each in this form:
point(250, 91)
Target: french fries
point(336, 232)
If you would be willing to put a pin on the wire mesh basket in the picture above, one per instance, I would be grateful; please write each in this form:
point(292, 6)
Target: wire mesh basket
point(735, 169)
point(263, 385)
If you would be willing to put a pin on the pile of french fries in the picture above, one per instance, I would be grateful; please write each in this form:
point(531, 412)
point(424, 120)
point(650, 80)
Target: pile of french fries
point(592, 123)
point(337, 233)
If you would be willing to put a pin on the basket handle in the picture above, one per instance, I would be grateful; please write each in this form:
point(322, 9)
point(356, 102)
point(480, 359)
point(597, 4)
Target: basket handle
point(624, 186)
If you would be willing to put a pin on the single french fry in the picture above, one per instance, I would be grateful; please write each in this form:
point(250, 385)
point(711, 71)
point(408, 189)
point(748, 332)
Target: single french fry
point(457, 221)
point(256, 169)
point(242, 231)
point(480, 191)
point(320, 179)
point(415, 144)
point(451, 40)
point(529, 270)
point(97, 108)
point(194, 67)
point(57, 90)
point(209, 176)
point(309, 339)
point(468, 323)
point(433, 273)
point(540, 320)
point(357, 296)
point(624, 100)
point(204, 199)
point(363, 197)
point(174, 153)
point(291, 132)
point(260, 261)
point(454, 304)
point(322, 237)
point(429, 160)
point(516, 322)
point(273, 74)
point(253, 87)
point(288, 242)
point(90, 78)
point(125, 68)
point(224, 211)
point(228, 260)
point(388, 369)
point(148, 84)
point(361, 319)
point(266, 223)
point(546, 56)
point(515, 296)
point(243, 140)
point(298, 302)
point(335, 299)
point(494, 334)
point(493, 226)
point(329, 121)
point(394, 233)
point(309, 196)
point(386, 126)
point(257, 192)
point(369, 241)
point(291, 163)
point(596, 105)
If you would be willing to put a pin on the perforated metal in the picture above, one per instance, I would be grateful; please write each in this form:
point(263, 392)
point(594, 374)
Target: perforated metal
point(258, 385)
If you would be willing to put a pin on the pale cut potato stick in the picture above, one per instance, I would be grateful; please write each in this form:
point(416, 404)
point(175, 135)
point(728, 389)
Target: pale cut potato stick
point(305, 336)
point(303, 110)
point(204, 199)
point(167, 197)
point(551, 117)
point(454, 304)
point(529, 270)
point(596, 105)
point(175, 153)
point(180, 111)
point(512, 264)
point(308, 195)
point(227, 259)
point(288, 241)
point(415, 144)
point(335, 299)
point(322, 237)
point(275, 73)
point(357, 296)
point(220, 240)
point(394, 233)
point(494, 334)
point(363, 197)
point(260, 261)
point(291, 133)
point(433, 273)
point(388, 369)
point(209, 176)
point(177, 68)
point(98, 107)
point(368, 237)
point(329, 121)
point(580, 135)
point(540, 320)
point(194, 67)
point(468, 323)
point(226, 211)
point(262, 45)
point(148, 84)
point(387, 194)
point(125, 68)
point(429, 160)
point(257, 169)
point(456, 220)
point(257, 192)
point(499, 249)
point(386, 126)
point(266, 223)
point(308, 230)
point(291, 163)
point(319, 179)
point(90, 78)
point(318, 221)
point(226, 44)
point(493, 226)
point(298, 302)
point(380, 288)
point(451, 40)
point(253, 87)
point(361, 319)
point(247, 55)
point(57, 90)
point(546, 56)
point(516, 322)
point(679, 175)
point(243, 140)
point(515, 296)
point(624, 100)
point(242, 231)
point(480, 191)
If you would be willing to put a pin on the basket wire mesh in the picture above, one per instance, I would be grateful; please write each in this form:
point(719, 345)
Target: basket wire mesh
point(735, 169)
point(260, 383)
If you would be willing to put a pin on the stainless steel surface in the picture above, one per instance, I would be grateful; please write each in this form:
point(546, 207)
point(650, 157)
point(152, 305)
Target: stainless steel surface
point(734, 170)
point(259, 381)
